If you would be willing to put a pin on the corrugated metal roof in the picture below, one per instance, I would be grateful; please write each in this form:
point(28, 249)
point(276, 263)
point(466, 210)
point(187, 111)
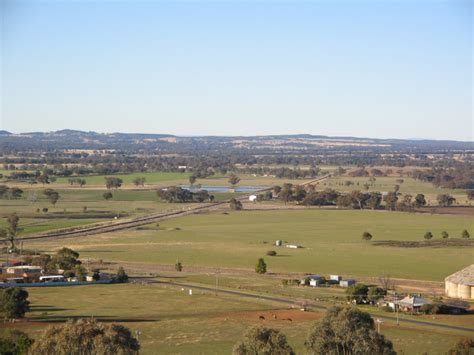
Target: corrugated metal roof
point(464, 276)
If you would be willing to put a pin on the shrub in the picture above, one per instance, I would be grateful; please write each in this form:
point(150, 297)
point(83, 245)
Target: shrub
point(465, 234)
point(444, 235)
point(366, 236)
point(121, 276)
point(428, 235)
point(271, 253)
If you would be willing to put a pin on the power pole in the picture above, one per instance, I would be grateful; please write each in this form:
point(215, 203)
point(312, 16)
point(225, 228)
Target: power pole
point(396, 307)
point(217, 281)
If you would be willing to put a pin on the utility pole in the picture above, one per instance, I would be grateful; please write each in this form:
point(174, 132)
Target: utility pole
point(378, 321)
point(217, 281)
point(396, 307)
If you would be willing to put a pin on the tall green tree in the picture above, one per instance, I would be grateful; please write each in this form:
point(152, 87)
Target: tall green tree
point(14, 302)
point(420, 200)
point(233, 180)
point(347, 331)
point(260, 340)
point(12, 228)
point(261, 267)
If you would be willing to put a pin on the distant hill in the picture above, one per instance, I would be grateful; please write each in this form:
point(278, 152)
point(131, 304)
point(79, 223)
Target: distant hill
point(167, 143)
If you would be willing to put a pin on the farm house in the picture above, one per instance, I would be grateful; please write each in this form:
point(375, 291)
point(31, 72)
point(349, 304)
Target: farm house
point(460, 284)
point(412, 303)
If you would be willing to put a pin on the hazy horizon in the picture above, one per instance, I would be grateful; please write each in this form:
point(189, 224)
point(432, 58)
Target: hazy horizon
point(372, 69)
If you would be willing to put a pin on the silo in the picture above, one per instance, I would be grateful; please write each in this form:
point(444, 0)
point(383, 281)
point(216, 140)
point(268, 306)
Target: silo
point(464, 291)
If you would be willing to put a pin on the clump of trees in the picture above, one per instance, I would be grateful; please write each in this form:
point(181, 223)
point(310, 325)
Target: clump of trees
point(139, 181)
point(235, 205)
point(86, 336)
point(346, 330)
point(80, 181)
point(445, 200)
point(112, 182)
point(65, 259)
point(262, 340)
point(178, 194)
point(107, 195)
point(459, 177)
point(10, 193)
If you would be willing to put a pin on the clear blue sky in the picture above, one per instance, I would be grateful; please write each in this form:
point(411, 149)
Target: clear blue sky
point(362, 68)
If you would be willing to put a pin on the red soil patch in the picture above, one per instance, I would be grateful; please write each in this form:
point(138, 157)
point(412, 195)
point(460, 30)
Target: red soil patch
point(283, 315)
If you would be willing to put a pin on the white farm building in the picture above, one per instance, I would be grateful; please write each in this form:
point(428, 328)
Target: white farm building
point(461, 284)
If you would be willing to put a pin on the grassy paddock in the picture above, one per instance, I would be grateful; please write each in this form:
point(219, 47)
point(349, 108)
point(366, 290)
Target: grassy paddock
point(171, 321)
point(331, 241)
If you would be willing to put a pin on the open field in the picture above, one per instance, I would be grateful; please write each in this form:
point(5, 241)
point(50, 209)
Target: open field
point(158, 179)
point(331, 241)
point(69, 210)
point(171, 321)
point(409, 186)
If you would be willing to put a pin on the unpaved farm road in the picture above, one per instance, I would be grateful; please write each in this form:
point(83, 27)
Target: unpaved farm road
point(140, 221)
point(311, 304)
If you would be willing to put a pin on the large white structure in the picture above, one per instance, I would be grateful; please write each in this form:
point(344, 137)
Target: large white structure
point(461, 284)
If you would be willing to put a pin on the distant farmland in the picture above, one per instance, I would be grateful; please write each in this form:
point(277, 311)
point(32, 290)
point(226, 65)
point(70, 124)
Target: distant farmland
point(331, 240)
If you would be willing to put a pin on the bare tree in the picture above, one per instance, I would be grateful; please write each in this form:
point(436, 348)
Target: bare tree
point(386, 281)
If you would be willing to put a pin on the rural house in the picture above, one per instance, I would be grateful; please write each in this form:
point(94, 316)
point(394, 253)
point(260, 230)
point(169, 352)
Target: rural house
point(412, 303)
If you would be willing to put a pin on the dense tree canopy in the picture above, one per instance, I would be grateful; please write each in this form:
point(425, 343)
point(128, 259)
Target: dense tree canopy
point(14, 302)
point(348, 331)
point(86, 336)
point(260, 340)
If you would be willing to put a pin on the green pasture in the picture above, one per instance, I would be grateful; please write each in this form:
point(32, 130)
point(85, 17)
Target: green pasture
point(171, 321)
point(331, 241)
point(69, 210)
point(151, 178)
